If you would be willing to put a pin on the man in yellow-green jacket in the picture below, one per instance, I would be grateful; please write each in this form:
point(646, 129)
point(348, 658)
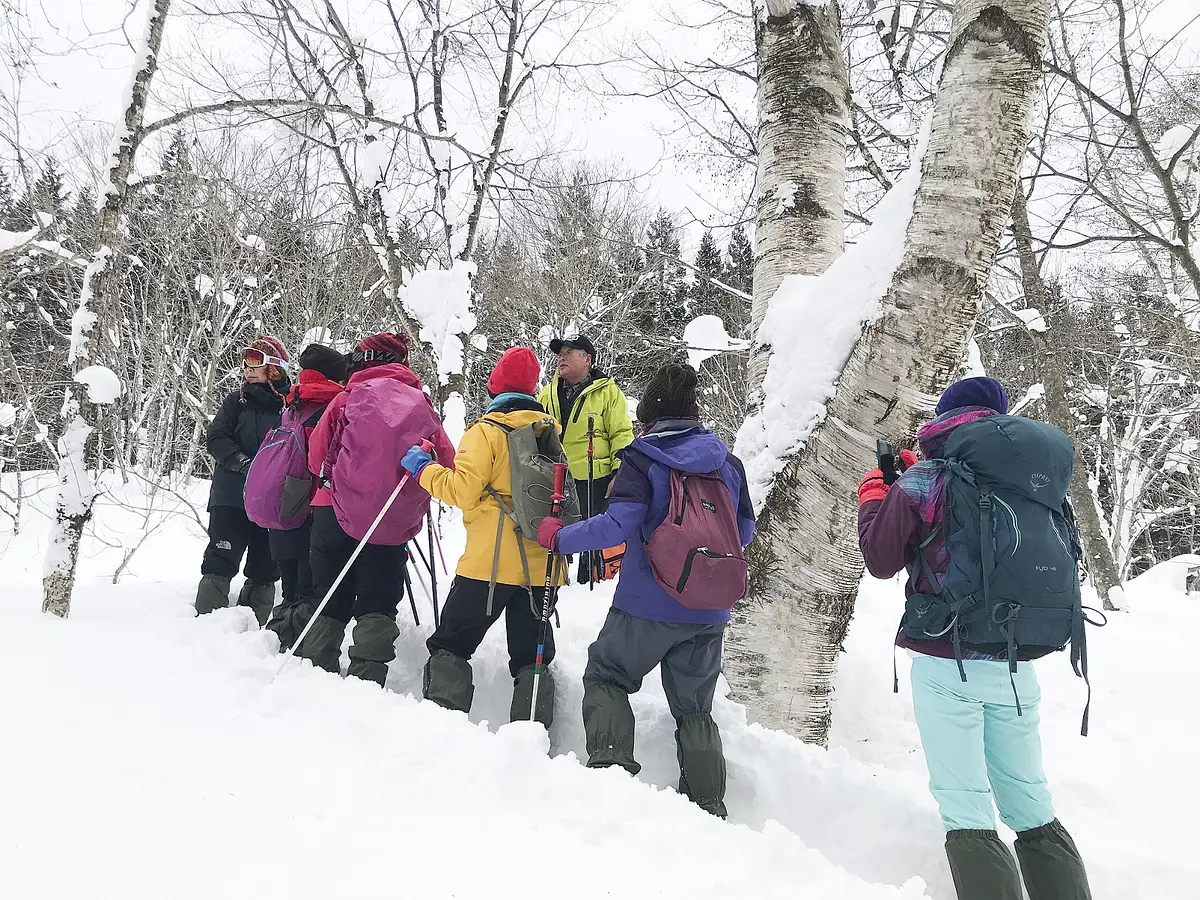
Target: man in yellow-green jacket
point(579, 395)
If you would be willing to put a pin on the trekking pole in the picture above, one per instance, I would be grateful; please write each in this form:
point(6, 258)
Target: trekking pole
point(442, 556)
point(434, 537)
point(420, 555)
point(589, 557)
point(421, 578)
point(426, 446)
point(432, 575)
point(412, 600)
point(556, 499)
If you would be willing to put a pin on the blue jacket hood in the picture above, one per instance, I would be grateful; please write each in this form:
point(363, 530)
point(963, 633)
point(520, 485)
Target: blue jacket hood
point(684, 445)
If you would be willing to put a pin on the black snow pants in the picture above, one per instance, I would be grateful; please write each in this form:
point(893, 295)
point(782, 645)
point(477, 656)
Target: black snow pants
point(230, 535)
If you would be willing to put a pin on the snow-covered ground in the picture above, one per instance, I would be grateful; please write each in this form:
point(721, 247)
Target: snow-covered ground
point(146, 756)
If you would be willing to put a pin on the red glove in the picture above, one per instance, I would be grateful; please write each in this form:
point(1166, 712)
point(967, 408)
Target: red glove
point(872, 486)
point(547, 534)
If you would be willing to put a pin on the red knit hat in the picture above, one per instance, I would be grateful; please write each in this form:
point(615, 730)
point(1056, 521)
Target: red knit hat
point(271, 346)
point(379, 349)
point(518, 371)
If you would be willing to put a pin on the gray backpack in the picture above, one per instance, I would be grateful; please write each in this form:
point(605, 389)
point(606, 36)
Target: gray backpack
point(533, 450)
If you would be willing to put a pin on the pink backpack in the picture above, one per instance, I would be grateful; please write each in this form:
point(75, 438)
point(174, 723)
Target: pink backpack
point(382, 418)
point(696, 555)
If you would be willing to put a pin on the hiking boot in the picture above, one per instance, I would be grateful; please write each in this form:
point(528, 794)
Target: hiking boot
point(522, 698)
point(213, 593)
point(260, 598)
point(982, 866)
point(374, 647)
point(701, 763)
point(608, 728)
point(287, 621)
point(448, 681)
point(323, 645)
point(1050, 864)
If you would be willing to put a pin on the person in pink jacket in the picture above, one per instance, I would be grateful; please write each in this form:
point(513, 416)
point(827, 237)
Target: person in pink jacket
point(355, 453)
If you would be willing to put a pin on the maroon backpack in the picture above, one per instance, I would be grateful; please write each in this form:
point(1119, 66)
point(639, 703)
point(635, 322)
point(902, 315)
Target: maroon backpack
point(696, 555)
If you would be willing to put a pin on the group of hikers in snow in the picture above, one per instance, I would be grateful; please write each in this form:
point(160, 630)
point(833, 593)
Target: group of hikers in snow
point(980, 523)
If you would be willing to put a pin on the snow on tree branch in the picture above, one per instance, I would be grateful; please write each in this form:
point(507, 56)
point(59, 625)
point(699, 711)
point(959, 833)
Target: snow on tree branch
point(705, 337)
point(84, 317)
point(11, 241)
point(103, 385)
point(127, 132)
point(440, 299)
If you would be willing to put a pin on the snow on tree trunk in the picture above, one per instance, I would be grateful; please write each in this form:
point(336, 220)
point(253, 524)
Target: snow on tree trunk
point(783, 647)
point(803, 120)
point(76, 486)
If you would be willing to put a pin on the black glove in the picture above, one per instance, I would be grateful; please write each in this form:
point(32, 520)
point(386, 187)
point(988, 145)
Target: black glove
point(240, 463)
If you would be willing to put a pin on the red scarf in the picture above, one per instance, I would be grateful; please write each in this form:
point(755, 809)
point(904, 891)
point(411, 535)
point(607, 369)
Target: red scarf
point(313, 387)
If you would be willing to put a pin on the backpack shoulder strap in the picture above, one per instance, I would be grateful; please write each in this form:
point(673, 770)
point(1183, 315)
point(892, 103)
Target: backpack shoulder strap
point(496, 551)
point(311, 420)
point(505, 512)
point(503, 426)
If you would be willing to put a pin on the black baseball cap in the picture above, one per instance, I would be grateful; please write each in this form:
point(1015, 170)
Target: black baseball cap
point(578, 343)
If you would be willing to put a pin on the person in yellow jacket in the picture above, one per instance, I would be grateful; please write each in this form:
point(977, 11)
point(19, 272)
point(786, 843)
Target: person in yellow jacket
point(482, 461)
point(580, 392)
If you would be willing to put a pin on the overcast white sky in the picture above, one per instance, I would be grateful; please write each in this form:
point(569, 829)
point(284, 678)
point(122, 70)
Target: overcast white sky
point(85, 62)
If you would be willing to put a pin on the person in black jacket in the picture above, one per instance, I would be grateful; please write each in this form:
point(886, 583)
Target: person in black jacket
point(234, 436)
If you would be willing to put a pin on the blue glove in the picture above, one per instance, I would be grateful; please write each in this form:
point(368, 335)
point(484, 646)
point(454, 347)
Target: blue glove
point(415, 460)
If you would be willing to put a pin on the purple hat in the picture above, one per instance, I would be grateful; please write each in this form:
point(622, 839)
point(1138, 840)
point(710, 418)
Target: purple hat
point(980, 391)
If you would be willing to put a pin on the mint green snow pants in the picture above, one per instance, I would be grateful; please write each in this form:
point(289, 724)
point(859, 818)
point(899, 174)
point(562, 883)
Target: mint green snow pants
point(976, 746)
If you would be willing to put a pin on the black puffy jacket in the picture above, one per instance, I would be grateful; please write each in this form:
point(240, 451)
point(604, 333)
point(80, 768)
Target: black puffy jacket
point(235, 434)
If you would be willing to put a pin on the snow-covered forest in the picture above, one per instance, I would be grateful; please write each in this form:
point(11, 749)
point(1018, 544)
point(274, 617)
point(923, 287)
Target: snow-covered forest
point(874, 197)
point(301, 165)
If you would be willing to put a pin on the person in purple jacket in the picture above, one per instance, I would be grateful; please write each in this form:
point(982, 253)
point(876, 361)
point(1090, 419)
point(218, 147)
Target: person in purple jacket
point(981, 747)
point(647, 627)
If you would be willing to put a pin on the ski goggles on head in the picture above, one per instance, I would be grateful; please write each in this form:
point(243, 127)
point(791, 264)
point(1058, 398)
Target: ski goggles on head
point(252, 358)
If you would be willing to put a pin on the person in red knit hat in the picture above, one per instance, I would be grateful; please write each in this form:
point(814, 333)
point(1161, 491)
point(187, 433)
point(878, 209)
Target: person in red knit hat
point(491, 578)
point(386, 348)
point(517, 372)
point(234, 436)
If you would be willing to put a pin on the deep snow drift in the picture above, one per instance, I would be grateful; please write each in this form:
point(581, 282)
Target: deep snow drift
point(146, 757)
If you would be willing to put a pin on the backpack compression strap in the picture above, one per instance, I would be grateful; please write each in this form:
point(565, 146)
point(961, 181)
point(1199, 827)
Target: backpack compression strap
point(1080, 622)
point(1079, 664)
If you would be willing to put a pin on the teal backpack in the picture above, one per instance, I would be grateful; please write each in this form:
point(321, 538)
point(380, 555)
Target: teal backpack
point(1011, 588)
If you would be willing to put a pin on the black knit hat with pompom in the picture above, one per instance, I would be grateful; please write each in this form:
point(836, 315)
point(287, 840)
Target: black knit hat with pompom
point(669, 394)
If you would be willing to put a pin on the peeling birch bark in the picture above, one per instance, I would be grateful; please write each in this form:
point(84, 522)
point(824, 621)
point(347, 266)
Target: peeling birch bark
point(803, 123)
point(782, 651)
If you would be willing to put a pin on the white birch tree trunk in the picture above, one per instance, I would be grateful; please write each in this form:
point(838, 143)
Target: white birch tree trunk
point(76, 485)
point(783, 648)
point(803, 120)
